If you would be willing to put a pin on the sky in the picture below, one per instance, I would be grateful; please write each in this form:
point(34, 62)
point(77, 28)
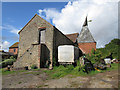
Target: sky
point(68, 17)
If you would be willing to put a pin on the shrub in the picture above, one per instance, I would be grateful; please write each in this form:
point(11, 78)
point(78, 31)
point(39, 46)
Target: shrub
point(33, 67)
point(7, 62)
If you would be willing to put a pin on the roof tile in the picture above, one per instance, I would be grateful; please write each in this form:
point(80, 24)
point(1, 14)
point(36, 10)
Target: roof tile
point(73, 36)
point(14, 45)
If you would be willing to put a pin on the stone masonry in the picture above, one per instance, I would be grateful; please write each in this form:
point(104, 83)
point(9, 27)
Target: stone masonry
point(30, 51)
point(39, 41)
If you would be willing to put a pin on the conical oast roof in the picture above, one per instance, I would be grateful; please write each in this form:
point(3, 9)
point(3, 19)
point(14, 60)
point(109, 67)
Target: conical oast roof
point(85, 34)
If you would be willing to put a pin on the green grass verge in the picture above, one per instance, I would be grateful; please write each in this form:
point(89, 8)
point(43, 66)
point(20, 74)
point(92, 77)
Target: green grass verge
point(114, 66)
point(11, 72)
point(62, 71)
point(33, 71)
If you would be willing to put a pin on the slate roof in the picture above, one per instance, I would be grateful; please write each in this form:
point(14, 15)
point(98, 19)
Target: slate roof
point(85, 34)
point(73, 36)
point(14, 45)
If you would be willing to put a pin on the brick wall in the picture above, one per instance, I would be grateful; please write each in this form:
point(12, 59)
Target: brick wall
point(87, 47)
point(13, 50)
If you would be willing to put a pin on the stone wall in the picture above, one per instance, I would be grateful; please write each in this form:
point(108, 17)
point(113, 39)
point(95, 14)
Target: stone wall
point(29, 47)
point(28, 58)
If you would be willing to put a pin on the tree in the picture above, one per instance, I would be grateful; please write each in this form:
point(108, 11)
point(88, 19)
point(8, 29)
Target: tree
point(111, 49)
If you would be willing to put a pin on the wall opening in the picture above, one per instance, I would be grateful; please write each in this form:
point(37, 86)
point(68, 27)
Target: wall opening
point(14, 50)
point(42, 36)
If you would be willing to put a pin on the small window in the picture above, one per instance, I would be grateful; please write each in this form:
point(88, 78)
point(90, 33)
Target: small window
point(42, 36)
point(14, 50)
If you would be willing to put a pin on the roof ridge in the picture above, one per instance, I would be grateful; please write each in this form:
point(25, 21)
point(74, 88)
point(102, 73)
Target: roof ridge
point(27, 23)
point(14, 45)
point(31, 20)
point(71, 33)
point(73, 37)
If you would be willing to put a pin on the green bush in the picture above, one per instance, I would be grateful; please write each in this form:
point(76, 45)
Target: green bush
point(110, 50)
point(33, 67)
point(7, 62)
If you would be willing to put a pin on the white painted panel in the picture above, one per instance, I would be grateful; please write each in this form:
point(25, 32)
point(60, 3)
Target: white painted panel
point(66, 53)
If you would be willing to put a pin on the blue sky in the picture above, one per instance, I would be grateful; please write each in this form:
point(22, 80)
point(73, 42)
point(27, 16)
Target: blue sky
point(68, 17)
point(17, 14)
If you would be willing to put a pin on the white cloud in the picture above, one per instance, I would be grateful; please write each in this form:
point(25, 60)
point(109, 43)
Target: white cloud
point(4, 45)
point(11, 28)
point(103, 13)
point(50, 13)
point(15, 31)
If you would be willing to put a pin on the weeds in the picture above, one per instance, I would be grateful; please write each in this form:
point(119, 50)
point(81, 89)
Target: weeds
point(62, 71)
point(19, 82)
point(6, 72)
point(33, 67)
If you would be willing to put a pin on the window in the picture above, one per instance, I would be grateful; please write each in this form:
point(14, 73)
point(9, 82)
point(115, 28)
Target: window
point(42, 36)
point(14, 50)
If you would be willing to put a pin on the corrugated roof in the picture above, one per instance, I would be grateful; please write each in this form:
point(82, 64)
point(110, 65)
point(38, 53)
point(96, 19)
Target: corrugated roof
point(73, 36)
point(14, 45)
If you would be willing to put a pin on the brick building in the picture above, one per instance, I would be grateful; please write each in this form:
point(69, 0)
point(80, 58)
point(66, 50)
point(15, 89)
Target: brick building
point(39, 41)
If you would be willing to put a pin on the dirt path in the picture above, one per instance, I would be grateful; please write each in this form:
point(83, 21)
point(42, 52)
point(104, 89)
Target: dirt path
point(33, 79)
point(103, 80)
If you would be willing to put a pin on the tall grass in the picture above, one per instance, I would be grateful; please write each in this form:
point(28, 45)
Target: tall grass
point(62, 71)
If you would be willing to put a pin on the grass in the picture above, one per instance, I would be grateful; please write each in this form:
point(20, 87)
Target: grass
point(59, 72)
point(11, 72)
point(62, 71)
point(5, 72)
point(114, 66)
point(34, 73)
